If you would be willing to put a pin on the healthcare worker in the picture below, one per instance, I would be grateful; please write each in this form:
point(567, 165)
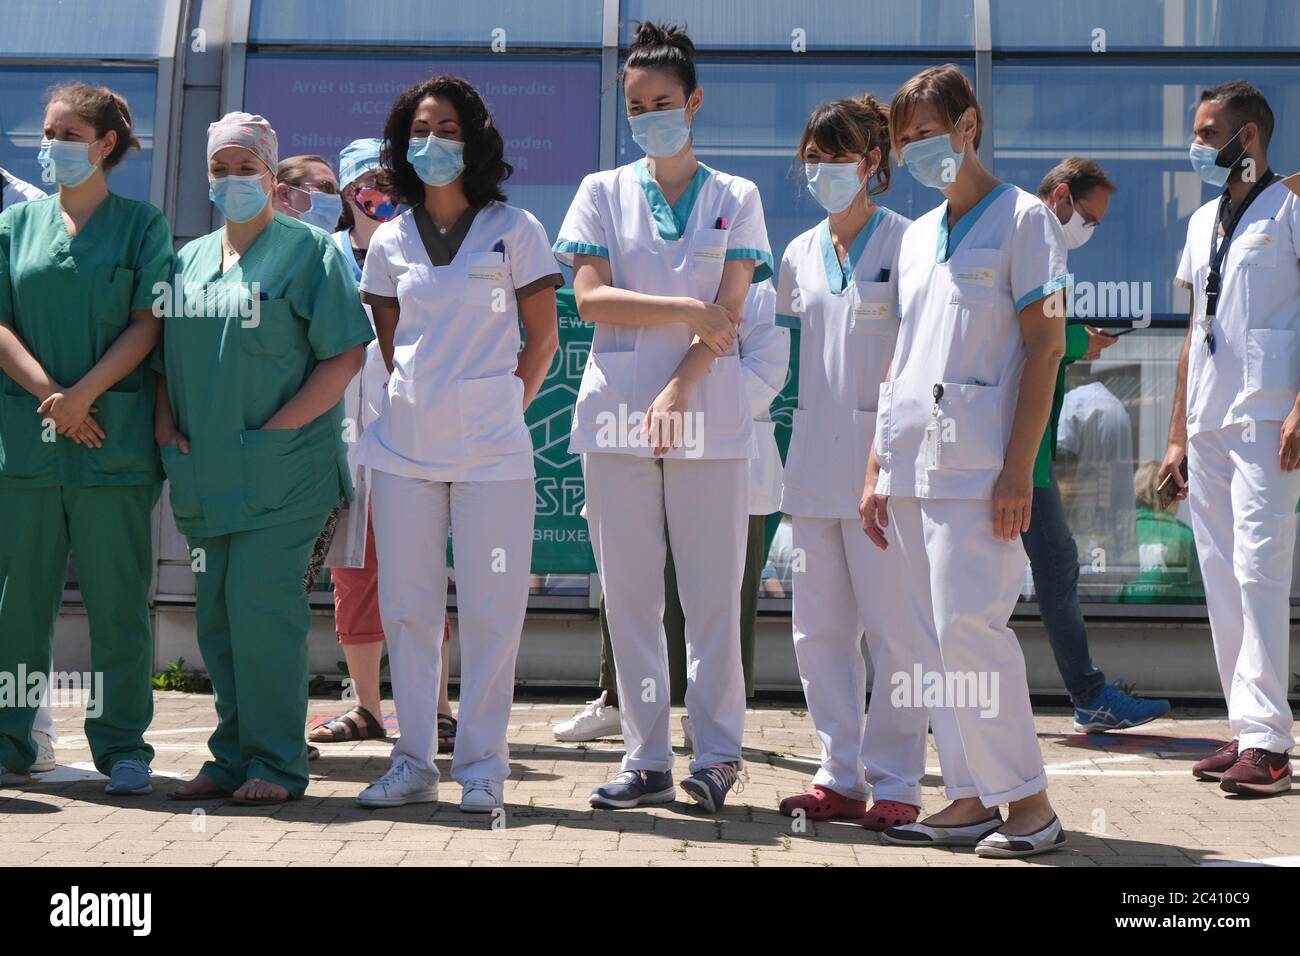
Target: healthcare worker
point(44, 732)
point(1236, 420)
point(664, 250)
point(306, 189)
point(449, 282)
point(354, 569)
point(764, 349)
point(839, 285)
point(78, 467)
point(1077, 191)
point(264, 333)
point(949, 483)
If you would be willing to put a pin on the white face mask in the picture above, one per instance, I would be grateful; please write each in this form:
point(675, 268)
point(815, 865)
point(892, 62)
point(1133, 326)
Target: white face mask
point(1077, 230)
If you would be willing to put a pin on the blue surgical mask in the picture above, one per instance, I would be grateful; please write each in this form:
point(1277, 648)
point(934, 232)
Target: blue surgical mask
point(324, 211)
point(239, 198)
point(833, 185)
point(932, 161)
point(1205, 160)
point(661, 133)
point(437, 161)
point(65, 162)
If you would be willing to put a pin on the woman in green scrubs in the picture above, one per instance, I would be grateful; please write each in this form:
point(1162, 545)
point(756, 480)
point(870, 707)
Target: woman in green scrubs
point(264, 333)
point(78, 467)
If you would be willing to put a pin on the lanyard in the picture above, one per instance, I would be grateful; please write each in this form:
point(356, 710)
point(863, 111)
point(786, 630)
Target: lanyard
point(1219, 250)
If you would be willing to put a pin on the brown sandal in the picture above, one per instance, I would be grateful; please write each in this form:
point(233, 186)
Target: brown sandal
point(216, 794)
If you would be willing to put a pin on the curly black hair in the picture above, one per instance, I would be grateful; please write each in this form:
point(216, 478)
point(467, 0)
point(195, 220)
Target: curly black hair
point(485, 165)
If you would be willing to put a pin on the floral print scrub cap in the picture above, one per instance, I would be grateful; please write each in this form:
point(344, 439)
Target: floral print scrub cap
point(253, 133)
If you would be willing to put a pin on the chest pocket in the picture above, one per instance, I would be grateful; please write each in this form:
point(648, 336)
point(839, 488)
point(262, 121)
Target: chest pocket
point(112, 308)
point(1257, 247)
point(487, 280)
point(976, 278)
point(271, 331)
point(875, 311)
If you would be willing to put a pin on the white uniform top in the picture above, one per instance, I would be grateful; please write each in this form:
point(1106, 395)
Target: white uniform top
point(16, 191)
point(652, 247)
point(1254, 373)
point(454, 408)
point(848, 322)
point(764, 367)
point(960, 297)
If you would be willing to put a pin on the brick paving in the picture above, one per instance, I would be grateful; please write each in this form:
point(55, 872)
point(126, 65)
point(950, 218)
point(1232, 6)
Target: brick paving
point(1127, 799)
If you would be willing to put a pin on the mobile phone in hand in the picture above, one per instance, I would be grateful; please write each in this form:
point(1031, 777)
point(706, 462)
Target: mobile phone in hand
point(1168, 488)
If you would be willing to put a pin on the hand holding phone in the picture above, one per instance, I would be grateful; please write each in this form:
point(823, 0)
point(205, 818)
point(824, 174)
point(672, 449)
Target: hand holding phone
point(1167, 490)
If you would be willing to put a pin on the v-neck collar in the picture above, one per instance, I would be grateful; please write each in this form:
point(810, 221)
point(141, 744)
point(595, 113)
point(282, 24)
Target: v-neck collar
point(69, 238)
point(249, 255)
point(440, 247)
point(948, 242)
point(838, 276)
point(670, 220)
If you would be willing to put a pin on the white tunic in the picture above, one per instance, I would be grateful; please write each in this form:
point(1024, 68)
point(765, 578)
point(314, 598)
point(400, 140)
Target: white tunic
point(454, 408)
point(1254, 373)
point(846, 340)
point(659, 249)
point(764, 367)
point(960, 298)
point(16, 191)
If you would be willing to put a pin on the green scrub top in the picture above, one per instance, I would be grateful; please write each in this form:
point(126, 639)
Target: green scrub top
point(69, 298)
point(235, 350)
point(1076, 346)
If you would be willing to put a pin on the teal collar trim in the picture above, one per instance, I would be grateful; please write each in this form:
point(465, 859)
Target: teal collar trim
point(670, 220)
point(837, 276)
point(948, 243)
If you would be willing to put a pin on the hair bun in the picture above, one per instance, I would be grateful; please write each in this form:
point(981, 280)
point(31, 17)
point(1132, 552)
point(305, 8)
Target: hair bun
point(650, 34)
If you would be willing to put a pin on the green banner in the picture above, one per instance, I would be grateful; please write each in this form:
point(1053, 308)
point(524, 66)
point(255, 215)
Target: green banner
point(561, 544)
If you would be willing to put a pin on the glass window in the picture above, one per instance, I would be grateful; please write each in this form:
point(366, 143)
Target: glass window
point(555, 23)
point(1134, 119)
point(545, 107)
point(819, 25)
point(81, 29)
point(22, 92)
point(1109, 25)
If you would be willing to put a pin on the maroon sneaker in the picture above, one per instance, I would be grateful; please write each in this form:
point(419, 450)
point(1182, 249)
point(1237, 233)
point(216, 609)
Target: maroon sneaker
point(1259, 772)
point(1216, 764)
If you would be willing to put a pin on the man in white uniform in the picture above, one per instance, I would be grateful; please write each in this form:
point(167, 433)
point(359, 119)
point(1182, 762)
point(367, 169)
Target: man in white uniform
point(1236, 418)
point(44, 734)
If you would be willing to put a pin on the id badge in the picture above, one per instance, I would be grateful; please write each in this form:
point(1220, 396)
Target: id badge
point(868, 313)
point(932, 445)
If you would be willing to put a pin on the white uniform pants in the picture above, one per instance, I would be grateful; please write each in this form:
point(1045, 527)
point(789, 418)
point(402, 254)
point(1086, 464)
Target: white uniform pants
point(492, 539)
point(843, 585)
point(703, 504)
point(44, 717)
point(963, 585)
point(1243, 515)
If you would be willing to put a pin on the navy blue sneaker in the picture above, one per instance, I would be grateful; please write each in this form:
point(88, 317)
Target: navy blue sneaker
point(708, 786)
point(1112, 709)
point(631, 788)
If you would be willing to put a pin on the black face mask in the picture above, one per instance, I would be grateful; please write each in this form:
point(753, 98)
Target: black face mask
point(1222, 159)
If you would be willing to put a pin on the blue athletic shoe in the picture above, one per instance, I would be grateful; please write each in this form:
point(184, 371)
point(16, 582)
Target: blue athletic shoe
point(129, 778)
point(1112, 709)
point(631, 788)
point(709, 786)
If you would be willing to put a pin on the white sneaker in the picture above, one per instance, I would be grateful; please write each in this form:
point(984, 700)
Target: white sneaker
point(400, 786)
point(481, 796)
point(592, 723)
point(45, 760)
point(686, 732)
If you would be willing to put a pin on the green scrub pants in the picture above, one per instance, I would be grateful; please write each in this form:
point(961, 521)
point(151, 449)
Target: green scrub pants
point(108, 528)
point(253, 618)
point(675, 622)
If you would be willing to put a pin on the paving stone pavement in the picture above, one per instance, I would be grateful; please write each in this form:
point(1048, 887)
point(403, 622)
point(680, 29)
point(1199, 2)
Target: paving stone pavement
point(1126, 799)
